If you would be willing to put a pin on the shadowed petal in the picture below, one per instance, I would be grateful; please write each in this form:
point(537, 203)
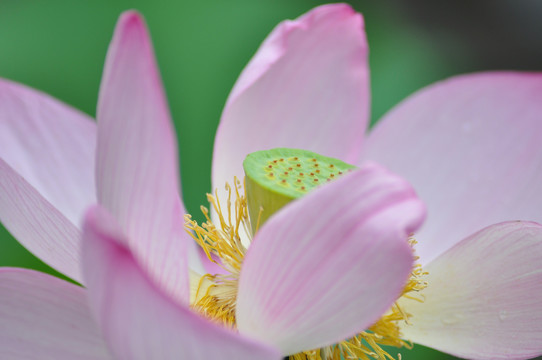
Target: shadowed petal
point(484, 296)
point(46, 173)
point(327, 266)
point(38, 224)
point(306, 87)
point(140, 322)
point(45, 318)
point(470, 146)
point(137, 167)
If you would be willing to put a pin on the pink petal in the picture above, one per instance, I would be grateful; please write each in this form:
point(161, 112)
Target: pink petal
point(471, 148)
point(137, 167)
point(484, 296)
point(140, 322)
point(47, 163)
point(327, 266)
point(45, 318)
point(307, 87)
point(38, 224)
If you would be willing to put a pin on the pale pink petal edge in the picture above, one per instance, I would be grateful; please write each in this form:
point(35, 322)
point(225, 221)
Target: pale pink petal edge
point(483, 299)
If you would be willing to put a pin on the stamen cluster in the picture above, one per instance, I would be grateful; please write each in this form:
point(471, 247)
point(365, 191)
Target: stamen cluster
point(214, 296)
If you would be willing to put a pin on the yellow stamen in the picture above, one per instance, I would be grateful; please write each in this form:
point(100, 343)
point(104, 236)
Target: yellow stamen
point(215, 296)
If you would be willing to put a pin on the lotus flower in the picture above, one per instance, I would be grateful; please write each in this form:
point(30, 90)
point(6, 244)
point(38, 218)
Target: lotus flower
point(323, 268)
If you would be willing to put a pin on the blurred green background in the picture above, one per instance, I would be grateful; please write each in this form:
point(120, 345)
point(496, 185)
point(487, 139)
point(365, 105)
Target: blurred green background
point(59, 47)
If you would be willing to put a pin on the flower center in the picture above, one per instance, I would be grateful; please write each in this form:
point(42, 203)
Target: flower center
point(274, 178)
point(277, 176)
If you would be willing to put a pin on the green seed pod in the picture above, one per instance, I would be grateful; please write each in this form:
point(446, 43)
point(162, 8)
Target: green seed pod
point(275, 177)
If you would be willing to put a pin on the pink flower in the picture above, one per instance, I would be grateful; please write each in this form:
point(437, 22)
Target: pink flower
point(324, 267)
